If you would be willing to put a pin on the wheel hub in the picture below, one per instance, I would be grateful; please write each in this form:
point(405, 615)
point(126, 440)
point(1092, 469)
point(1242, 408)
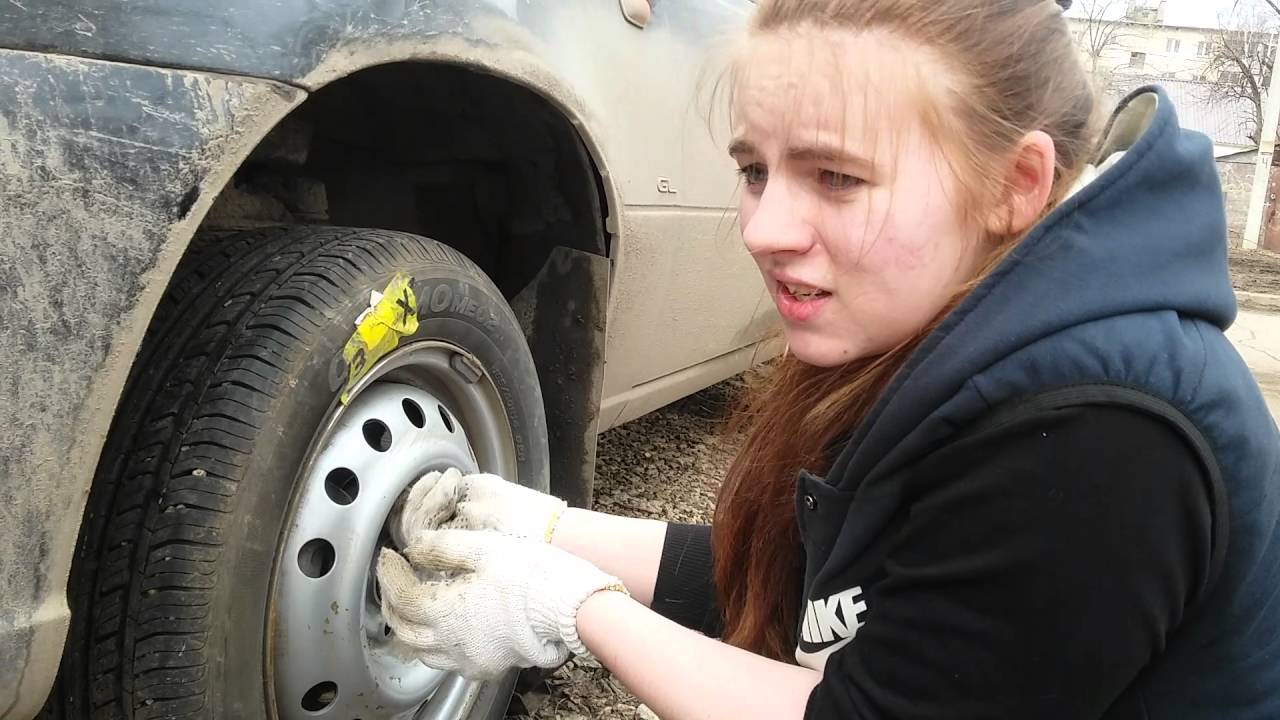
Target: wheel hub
point(333, 655)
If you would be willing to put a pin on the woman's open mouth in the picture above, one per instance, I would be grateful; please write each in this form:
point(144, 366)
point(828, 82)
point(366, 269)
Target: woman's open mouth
point(799, 303)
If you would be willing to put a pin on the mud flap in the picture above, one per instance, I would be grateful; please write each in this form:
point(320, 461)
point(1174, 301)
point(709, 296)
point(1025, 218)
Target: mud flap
point(563, 313)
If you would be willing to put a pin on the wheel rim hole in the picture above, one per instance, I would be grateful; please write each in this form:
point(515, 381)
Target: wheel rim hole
point(413, 411)
point(316, 558)
point(320, 696)
point(377, 434)
point(342, 486)
point(444, 415)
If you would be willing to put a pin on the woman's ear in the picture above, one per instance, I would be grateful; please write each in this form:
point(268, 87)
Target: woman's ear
point(1028, 184)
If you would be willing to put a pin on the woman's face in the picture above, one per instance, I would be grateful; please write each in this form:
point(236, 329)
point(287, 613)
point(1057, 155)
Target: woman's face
point(847, 206)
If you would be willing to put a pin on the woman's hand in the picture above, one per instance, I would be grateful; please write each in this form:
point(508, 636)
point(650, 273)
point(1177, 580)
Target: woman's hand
point(627, 547)
point(478, 603)
point(476, 502)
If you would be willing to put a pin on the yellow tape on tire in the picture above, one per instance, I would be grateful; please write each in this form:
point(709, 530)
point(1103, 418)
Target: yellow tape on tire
point(391, 315)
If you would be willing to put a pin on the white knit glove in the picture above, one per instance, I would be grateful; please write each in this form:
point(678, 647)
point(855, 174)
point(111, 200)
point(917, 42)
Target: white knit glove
point(476, 502)
point(479, 603)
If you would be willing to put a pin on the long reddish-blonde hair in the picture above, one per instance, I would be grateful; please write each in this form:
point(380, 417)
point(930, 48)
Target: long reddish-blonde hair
point(1008, 68)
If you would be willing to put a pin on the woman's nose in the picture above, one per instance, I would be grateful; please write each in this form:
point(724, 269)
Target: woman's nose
point(777, 224)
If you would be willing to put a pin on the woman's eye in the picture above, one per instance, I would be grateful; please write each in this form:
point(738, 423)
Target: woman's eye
point(832, 180)
point(754, 174)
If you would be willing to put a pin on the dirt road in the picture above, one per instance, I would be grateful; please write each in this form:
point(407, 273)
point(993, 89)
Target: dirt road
point(1255, 271)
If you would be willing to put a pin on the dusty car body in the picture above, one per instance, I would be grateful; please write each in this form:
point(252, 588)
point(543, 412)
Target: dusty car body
point(128, 126)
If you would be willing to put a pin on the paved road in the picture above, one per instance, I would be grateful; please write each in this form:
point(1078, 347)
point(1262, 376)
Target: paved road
point(1256, 336)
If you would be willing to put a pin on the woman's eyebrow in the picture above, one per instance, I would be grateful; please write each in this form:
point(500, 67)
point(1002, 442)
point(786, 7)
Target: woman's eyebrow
point(820, 152)
point(827, 153)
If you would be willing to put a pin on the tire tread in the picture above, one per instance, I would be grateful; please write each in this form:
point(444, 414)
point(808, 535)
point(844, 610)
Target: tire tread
point(216, 359)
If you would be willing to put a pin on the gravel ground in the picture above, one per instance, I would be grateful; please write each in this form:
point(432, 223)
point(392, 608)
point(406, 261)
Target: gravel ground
point(669, 464)
point(666, 465)
point(1255, 271)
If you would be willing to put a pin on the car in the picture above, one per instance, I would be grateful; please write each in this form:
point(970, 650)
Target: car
point(263, 264)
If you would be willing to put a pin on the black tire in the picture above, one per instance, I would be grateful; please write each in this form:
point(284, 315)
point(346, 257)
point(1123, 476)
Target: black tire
point(170, 585)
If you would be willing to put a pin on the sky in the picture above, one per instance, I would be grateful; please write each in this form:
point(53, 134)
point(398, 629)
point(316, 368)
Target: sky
point(1188, 13)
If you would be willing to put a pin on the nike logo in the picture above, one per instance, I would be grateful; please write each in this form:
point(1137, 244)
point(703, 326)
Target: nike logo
point(829, 624)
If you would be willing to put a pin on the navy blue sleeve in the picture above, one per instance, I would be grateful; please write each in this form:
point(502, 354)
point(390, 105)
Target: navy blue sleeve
point(1042, 565)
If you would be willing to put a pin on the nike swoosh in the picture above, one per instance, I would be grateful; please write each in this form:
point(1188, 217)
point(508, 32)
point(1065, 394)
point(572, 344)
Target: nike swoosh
point(818, 660)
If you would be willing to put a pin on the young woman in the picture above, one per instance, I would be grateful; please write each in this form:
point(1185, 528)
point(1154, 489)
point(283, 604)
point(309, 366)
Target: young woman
point(1010, 466)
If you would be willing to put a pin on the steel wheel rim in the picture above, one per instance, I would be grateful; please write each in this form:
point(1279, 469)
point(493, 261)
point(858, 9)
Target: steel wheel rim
point(427, 406)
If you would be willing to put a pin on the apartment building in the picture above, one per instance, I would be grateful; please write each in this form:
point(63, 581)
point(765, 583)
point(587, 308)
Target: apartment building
point(1141, 38)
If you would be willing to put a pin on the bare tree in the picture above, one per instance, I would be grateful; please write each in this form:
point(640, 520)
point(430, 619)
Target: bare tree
point(1104, 26)
point(1241, 59)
